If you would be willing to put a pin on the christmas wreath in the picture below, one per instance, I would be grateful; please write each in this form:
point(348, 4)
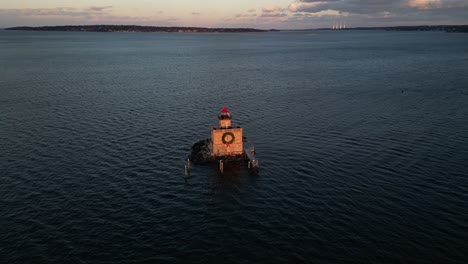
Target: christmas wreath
point(229, 136)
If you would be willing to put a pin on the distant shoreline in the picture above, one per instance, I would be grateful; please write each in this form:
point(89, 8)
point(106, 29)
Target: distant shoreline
point(446, 28)
point(133, 28)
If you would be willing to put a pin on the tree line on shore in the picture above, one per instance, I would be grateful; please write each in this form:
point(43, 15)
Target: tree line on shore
point(132, 28)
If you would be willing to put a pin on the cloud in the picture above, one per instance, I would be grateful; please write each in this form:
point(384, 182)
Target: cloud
point(272, 9)
point(425, 4)
point(98, 8)
point(245, 15)
point(323, 13)
point(67, 15)
point(268, 18)
point(249, 17)
point(57, 12)
point(293, 7)
point(274, 15)
point(298, 14)
point(374, 6)
point(317, 1)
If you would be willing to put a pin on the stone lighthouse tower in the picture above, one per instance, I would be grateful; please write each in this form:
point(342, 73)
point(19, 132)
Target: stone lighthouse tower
point(226, 139)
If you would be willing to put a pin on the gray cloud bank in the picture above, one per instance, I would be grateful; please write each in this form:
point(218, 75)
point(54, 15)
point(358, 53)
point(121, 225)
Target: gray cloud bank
point(370, 7)
point(381, 12)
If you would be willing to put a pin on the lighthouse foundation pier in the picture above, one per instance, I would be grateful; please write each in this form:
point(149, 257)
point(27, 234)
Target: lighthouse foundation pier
point(253, 163)
point(201, 154)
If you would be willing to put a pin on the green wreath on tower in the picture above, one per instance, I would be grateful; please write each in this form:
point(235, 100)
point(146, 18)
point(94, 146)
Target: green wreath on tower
point(228, 137)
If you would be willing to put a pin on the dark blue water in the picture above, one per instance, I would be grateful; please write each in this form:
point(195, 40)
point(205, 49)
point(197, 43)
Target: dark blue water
point(362, 139)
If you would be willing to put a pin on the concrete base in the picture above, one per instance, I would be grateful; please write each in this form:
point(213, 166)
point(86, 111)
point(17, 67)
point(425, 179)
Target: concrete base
point(201, 154)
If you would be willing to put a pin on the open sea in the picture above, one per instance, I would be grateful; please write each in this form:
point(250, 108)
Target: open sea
point(362, 138)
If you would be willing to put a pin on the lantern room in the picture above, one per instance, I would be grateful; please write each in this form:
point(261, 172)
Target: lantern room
point(224, 118)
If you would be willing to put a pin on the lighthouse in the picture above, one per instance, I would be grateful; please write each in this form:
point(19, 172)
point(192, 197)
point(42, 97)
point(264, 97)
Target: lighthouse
point(226, 138)
point(226, 146)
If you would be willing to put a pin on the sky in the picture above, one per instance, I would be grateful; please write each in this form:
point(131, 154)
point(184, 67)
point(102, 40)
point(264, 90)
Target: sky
point(264, 14)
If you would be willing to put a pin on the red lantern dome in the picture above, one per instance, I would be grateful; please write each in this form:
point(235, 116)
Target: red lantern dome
point(224, 114)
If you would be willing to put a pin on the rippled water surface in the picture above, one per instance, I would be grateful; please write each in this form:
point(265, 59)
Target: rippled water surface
point(362, 139)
